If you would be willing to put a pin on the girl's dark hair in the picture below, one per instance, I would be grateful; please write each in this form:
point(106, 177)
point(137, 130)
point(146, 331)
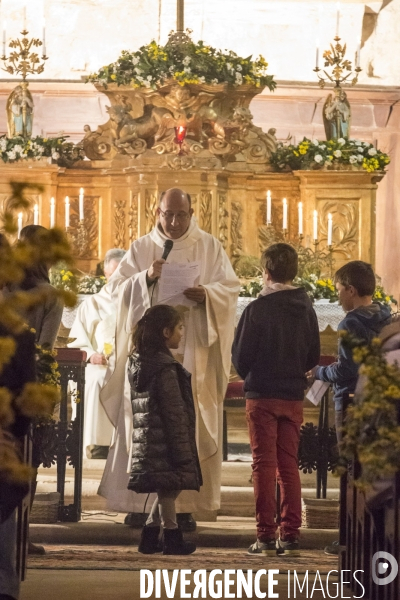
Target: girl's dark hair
point(148, 336)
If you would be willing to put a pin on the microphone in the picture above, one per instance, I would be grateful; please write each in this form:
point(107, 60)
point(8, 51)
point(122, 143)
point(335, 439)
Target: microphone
point(168, 244)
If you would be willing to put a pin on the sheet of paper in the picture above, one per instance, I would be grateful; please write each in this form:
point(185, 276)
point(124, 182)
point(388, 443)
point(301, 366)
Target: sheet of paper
point(316, 391)
point(175, 278)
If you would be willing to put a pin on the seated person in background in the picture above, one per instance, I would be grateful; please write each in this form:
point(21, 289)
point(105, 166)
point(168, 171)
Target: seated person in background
point(94, 331)
point(276, 343)
point(355, 283)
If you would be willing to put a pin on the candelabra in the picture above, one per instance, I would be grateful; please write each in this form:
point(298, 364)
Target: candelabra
point(314, 261)
point(22, 61)
point(335, 58)
point(79, 239)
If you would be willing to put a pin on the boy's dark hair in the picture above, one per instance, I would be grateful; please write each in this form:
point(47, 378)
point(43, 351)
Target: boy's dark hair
point(148, 336)
point(281, 261)
point(359, 274)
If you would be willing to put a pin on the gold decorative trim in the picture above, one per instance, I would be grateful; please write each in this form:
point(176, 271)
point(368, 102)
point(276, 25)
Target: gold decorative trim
point(223, 221)
point(206, 211)
point(119, 220)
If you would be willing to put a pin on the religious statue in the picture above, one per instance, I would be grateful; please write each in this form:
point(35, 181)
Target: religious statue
point(20, 112)
point(337, 115)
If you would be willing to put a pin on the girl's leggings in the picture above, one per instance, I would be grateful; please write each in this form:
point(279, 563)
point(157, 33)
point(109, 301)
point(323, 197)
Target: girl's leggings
point(163, 510)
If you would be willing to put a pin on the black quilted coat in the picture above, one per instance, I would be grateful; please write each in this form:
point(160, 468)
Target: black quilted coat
point(164, 453)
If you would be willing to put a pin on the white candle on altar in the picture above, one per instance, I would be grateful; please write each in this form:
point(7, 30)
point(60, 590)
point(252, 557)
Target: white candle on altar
point(317, 54)
point(330, 229)
point(269, 208)
point(19, 224)
point(300, 218)
point(24, 18)
point(52, 213)
point(315, 226)
point(4, 38)
point(36, 215)
point(337, 18)
point(285, 214)
point(44, 38)
point(81, 212)
point(358, 53)
point(66, 212)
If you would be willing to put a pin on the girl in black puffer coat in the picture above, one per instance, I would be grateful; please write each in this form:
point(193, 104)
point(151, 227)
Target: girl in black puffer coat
point(164, 453)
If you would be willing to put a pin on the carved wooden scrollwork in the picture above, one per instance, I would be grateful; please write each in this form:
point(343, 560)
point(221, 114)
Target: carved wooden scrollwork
point(206, 211)
point(223, 220)
point(150, 210)
point(133, 217)
point(119, 222)
point(345, 226)
point(84, 236)
point(236, 230)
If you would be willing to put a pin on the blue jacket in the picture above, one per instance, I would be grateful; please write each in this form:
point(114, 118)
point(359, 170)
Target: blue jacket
point(364, 323)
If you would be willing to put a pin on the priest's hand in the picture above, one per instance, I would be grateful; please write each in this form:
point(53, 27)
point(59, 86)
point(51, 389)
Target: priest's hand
point(98, 359)
point(154, 271)
point(197, 294)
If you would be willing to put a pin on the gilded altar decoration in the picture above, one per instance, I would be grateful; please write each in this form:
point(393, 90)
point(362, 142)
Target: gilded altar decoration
point(83, 234)
point(119, 222)
point(23, 60)
point(180, 106)
point(332, 154)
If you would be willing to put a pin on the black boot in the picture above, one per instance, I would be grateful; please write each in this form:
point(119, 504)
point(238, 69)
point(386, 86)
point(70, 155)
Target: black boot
point(186, 522)
point(174, 544)
point(149, 540)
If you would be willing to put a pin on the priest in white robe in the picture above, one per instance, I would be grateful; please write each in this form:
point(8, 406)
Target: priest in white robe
point(94, 329)
point(206, 352)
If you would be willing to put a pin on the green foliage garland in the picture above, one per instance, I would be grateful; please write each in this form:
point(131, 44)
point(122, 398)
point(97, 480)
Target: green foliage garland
point(56, 149)
point(153, 65)
point(331, 154)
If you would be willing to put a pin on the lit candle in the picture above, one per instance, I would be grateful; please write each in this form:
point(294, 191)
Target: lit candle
point(81, 213)
point(24, 18)
point(4, 38)
point(358, 53)
point(44, 37)
point(36, 215)
point(66, 212)
point(337, 18)
point(330, 229)
point(19, 224)
point(315, 225)
point(268, 207)
point(52, 213)
point(300, 218)
point(317, 54)
point(285, 207)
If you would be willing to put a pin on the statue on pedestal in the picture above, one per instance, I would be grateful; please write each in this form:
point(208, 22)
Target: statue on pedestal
point(337, 115)
point(20, 112)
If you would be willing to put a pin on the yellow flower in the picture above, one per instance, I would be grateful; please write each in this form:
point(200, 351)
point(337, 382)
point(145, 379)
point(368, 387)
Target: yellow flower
point(62, 272)
point(65, 277)
point(69, 273)
point(303, 150)
point(295, 153)
point(113, 77)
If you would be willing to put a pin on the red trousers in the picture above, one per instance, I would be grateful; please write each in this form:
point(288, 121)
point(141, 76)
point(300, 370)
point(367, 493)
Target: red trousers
point(274, 427)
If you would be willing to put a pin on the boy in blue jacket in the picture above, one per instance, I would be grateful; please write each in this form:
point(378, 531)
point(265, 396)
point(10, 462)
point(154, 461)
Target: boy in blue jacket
point(355, 283)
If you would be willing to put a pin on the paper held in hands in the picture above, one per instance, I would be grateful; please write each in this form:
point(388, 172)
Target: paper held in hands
point(175, 279)
point(316, 391)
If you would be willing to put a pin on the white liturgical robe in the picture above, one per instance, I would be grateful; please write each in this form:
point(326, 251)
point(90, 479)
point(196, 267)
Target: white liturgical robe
point(94, 326)
point(206, 354)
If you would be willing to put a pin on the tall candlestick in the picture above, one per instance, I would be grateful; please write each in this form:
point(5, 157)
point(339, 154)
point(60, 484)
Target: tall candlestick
point(300, 218)
point(4, 38)
point(36, 215)
point(268, 207)
point(315, 226)
point(337, 18)
point(358, 53)
point(44, 37)
point(81, 212)
point(317, 54)
point(285, 214)
point(330, 229)
point(19, 224)
point(52, 213)
point(66, 212)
